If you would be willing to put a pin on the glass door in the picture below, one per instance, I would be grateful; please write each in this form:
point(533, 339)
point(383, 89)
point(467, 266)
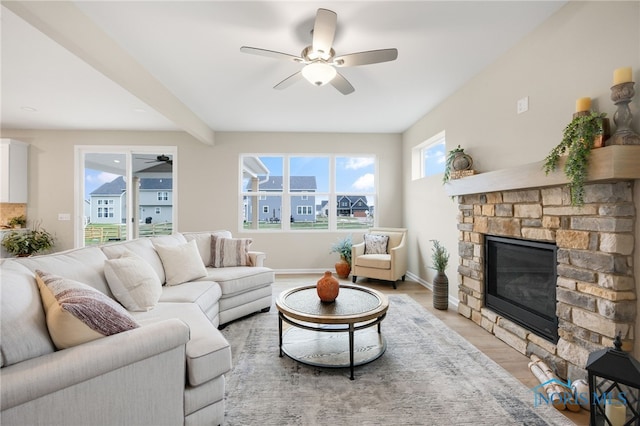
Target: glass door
point(124, 193)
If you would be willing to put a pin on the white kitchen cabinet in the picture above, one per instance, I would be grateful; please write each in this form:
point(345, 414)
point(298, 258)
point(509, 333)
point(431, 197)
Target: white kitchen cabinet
point(14, 157)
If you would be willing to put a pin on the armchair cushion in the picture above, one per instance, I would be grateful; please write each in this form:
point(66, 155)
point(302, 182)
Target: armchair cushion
point(377, 261)
point(375, 244)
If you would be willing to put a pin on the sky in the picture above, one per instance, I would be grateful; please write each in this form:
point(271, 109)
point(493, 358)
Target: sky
point(93, 179)
point(434, 159)
point(353, 174)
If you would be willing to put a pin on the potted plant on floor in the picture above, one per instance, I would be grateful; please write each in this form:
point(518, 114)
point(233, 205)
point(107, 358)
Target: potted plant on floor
point(29, 242)
point(343, 248)
point(440, 260)
point(577, 141)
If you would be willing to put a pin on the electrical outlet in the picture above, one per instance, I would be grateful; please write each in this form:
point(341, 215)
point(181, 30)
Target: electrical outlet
point(64, 216)
point(523, 105)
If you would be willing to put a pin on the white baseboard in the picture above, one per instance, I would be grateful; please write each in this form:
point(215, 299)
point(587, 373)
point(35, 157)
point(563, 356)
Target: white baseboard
point(452, 300)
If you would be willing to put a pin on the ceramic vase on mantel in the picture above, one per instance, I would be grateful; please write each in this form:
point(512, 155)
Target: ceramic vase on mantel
point(328, 288)
point(441, 291)
point(343, 269)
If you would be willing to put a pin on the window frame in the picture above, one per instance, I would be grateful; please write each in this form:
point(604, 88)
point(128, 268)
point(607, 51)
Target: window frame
point(286, 194)
point(418, 156)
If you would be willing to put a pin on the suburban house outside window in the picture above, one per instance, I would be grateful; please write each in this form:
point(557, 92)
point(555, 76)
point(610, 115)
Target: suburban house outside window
point(163, 196)
point(297, 192)
point(429, 157)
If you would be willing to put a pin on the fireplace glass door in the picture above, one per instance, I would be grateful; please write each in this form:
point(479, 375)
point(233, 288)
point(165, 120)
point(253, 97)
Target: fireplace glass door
point(521, 283)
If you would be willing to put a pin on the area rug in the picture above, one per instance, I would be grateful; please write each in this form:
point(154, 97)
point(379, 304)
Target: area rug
point(429, 375)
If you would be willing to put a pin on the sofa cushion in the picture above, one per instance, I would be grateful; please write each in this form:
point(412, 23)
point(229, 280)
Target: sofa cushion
point(226, 252)
point(23, 327)
point(203, 241)
point(375, 244)
point(378, 261)
point(208, 352)
point(236, 280)
point(143, 247)
point(77, 313)
point(205, 294)
point(133, 282)
point(85, 265)
point(181, 263)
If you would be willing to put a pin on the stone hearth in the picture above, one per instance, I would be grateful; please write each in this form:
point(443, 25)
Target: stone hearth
point(595, 295)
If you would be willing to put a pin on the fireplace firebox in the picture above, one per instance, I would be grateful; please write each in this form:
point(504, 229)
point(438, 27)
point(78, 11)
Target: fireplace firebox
point(520, 282)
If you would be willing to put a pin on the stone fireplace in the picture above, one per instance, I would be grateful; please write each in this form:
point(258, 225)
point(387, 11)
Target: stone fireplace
point(595, 285)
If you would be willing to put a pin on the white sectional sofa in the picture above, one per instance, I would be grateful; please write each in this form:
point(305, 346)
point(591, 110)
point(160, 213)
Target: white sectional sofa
point(168, 370)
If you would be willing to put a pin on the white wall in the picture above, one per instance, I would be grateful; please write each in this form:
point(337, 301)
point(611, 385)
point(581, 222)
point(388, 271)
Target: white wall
point(572, 55)
point(208, 183)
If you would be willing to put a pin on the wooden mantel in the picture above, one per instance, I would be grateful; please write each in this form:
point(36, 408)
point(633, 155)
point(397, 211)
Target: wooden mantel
point(615, 162)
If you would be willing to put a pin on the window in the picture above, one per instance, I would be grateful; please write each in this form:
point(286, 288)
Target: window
point(307, 192)
point(105, 212)
point(429, 157)
point(163, 196)
point(158, 210)
point(305, 210)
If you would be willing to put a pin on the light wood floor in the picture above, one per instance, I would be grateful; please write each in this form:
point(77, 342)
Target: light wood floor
point(504, 355)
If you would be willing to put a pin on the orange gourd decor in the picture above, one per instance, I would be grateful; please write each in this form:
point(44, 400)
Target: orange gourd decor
point(328, 288)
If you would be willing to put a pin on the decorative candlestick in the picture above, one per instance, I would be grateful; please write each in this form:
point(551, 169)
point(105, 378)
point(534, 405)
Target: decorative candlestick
point(621, 95)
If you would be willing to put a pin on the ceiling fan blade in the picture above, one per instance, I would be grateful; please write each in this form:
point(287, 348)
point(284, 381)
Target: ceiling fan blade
point(365, 58)
point(271, 54)
point(341, 83)
point(324, 30)
point(293, 78)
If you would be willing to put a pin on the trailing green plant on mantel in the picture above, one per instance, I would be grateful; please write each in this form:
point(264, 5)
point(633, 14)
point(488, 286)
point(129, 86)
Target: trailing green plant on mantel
point(577, 140)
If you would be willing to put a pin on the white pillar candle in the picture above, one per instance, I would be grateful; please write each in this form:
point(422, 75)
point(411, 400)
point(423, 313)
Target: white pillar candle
point(616, 412)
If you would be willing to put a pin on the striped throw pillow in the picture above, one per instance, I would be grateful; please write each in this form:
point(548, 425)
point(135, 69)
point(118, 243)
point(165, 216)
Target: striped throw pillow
point(227, 252)
point(77, 313)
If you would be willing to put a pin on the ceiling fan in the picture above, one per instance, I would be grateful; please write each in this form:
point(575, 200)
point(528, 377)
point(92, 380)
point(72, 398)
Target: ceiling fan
point(319, 59)
point(159, 159)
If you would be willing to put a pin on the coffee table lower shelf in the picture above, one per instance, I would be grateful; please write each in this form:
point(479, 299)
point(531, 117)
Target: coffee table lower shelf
point(331, 349)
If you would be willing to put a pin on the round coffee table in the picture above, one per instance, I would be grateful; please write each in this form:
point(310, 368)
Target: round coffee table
point(315, 338)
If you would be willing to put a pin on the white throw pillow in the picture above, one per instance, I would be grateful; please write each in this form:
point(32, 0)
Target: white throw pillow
point(375, 244)
point(181, 263)
point(133, 282)
point(226, 252)
point(77, 313)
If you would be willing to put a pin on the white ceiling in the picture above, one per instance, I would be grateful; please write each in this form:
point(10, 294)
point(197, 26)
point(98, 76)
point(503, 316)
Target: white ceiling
point(192, 48)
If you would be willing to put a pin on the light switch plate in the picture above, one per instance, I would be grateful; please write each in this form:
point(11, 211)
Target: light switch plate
point(523, 105)
point(64, 216)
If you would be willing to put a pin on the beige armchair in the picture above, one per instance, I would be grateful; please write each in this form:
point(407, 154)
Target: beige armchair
point(389, 266)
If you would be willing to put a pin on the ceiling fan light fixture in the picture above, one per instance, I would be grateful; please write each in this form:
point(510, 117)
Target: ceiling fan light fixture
point(319, 73)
